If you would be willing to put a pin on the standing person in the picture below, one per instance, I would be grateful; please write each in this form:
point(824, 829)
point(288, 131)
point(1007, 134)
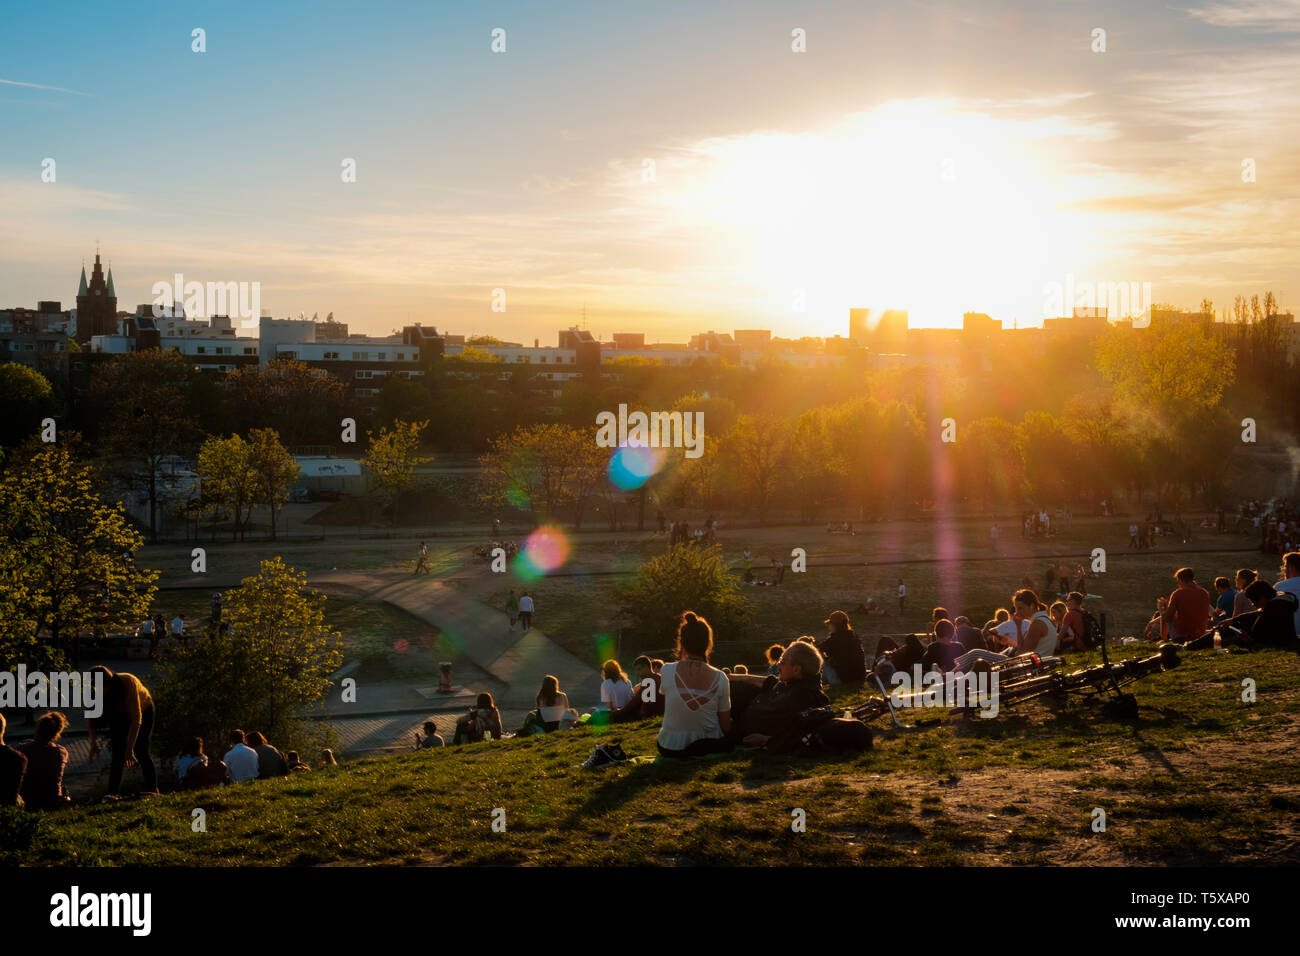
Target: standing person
point(512, 608)
point(46, 759)
point(1188, 611)
point(13, 766)
point(779, 567)
point(526, 611)
point(902, 596)
point(697, 696)
point(128, 716)
point(422, 559)
point(159, 626)
point(1291, 582)
point(842, 650)
point(747, 565)
point(241, 759)
point(178, 626)
point(214, 608)
point(1132, 535)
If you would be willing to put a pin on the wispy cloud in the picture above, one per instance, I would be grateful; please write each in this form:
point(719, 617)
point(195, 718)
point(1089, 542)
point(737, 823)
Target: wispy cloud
point(1259, 14)
point(41, 86)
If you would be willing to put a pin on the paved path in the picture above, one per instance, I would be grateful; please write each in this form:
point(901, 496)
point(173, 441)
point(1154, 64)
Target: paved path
point(479, 633)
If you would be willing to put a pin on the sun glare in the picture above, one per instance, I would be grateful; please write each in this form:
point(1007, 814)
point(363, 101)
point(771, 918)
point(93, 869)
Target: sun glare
point(912, 205)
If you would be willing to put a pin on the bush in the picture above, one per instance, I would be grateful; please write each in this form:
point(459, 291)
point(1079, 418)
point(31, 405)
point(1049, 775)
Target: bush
point(686, 578)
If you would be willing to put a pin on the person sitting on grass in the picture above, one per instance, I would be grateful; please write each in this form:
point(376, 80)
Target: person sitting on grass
point(552, 703)
point(842, 652)
point(615, 689)
point(639, 707)
point(212, 772)
point(1071, 629)
point(190, 755)
point(483, 720)
point(773, 655)
point(697, 696)
point(327, 758)
point(1035, 634)
point(270, 762)
point(970, 638)
point(430, 738)
point(944, 650)
point(766, 707)
point(1275, 626)
point(42, 787)
point(241, 758)
point(295, 763)
point(1226, 598)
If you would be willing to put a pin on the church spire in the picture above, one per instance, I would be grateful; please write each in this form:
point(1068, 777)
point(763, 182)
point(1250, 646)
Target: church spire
point(111, 293)
point(81, 289)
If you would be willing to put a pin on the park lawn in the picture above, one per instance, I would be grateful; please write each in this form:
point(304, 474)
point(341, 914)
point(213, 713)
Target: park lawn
point(1199, 778)
point(580, 611)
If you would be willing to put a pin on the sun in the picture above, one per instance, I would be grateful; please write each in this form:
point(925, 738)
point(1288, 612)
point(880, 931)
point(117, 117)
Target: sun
point(913, 205)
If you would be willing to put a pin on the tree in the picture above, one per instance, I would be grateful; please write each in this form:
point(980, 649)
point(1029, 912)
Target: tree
point(66, 556)
point(392, 458)
point(274, 661)
point(755, 450)
point(304, 405)
point(26, 397)
point(274, 469)
point(226, 470)
point(544, 468)
point(146, 398)
point(685, 578)
point(1165, 374)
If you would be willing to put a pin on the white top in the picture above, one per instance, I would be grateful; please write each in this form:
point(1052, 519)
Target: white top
point(242, 761)
point(902, 590)
point(615, 694)
point(1047, 643)
point(553, 713)
point(526, 604)
point(691, 715)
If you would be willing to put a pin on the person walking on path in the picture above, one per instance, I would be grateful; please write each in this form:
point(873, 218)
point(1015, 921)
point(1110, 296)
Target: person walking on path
point(512, 608)
point(526, 611)
point(422, 563)
point(902, 596)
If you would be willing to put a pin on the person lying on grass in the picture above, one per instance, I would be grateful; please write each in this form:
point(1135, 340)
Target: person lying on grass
point(764, 707)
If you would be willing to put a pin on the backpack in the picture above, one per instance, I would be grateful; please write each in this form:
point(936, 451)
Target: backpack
point(819, 731)
point(1093, 635)
point(533, 724)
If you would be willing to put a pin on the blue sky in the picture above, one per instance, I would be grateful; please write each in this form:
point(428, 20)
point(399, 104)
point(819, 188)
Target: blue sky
point(779, 176)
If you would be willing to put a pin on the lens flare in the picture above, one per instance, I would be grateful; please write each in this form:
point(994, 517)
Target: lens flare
point(631, 466)
point(545, 550)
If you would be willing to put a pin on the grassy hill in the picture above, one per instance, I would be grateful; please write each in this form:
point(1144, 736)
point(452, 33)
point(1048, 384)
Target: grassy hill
point(1200, 778)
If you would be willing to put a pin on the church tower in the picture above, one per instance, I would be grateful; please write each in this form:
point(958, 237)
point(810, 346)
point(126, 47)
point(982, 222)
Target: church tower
point(96, 304)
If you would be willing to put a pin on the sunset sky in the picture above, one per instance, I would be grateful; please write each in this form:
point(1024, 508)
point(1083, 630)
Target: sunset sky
point(935, 157)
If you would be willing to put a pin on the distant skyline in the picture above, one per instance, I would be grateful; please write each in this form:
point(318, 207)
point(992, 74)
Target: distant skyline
point(937, 157)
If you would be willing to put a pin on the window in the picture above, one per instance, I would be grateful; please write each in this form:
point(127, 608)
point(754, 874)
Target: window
point(331, 355)
point(543, 359)
point(401, 356)
point(361, 356)
point(367, 391)
point(382, 356)
point(289, 355)
point(363, 373)
point(200, 350)
point(250, 349)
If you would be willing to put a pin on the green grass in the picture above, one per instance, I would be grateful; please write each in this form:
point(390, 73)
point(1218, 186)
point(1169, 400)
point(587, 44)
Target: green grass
point(1199, 778)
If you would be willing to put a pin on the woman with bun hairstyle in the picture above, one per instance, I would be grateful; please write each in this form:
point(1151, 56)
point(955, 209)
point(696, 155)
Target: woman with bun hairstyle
point(697, 696)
